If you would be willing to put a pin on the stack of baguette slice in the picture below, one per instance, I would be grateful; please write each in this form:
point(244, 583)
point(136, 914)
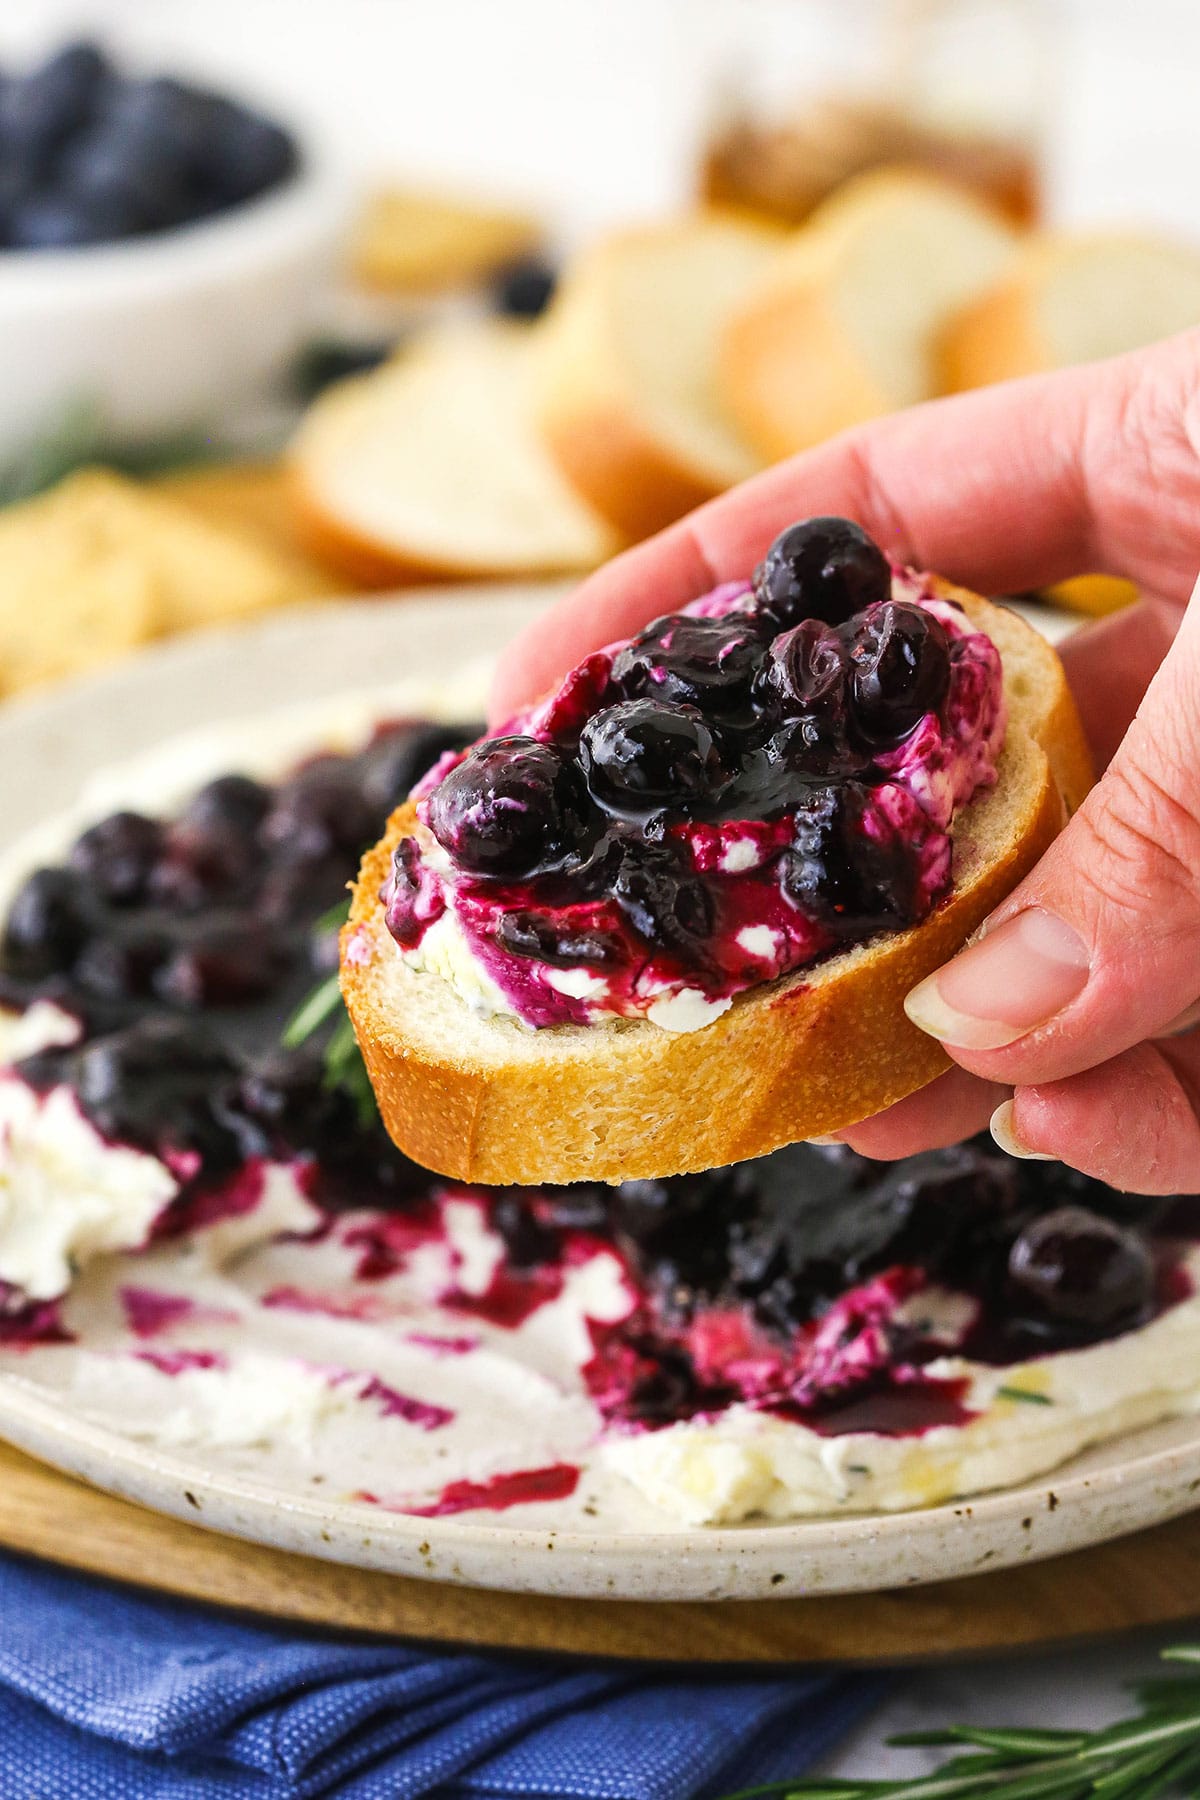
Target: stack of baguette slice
point(678, 358)
point(846, 323)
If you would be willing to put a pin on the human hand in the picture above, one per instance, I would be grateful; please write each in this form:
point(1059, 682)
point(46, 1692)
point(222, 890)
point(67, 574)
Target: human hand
point(1061, 1016)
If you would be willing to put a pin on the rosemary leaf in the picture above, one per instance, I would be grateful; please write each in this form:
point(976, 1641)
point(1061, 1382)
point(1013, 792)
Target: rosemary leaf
point(312, 1013)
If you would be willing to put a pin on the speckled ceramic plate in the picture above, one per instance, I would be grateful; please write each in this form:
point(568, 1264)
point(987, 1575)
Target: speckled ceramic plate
point(590, 1545)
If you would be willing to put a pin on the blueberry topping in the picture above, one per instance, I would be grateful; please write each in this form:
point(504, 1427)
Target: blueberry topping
point(667, 908)
point(854, 881)
point(525, 934)
point(826, 569)
point(901, 671)
point(318, 812)
point(226, 962)
point(46, 927)
point(707, 663)
point(121, 964)
point(641, 755)
point(232, 803)
point(512, 807)
point(116, 856)
point(1073, 1269)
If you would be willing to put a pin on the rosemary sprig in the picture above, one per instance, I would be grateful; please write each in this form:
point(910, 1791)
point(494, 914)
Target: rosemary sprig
point(324, 1008)
point(1155, 1756)
point(80, 435)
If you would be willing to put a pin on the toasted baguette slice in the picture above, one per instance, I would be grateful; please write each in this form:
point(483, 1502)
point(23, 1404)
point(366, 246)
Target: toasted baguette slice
point(845, 325)
point(1072, 300)
point(487, 1100)
point(432, 467)
point(627, 380)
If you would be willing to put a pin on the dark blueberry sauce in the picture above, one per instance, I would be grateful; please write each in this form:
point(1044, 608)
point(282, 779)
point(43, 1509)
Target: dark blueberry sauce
point(594, 834)
point(182, 945)
point(793, 1283)
point(558, 1481)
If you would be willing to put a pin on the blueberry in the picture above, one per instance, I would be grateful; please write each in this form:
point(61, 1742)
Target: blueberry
point(1073, 1268)
point(233, 803)
point(117, 856)
point(820, 569)
point(641, 755)
point(223, 962)
point(54, 220)
point(112, 168)
point(850, 879)
point(319, 812)
point(46, 927)
point(245, 154)
point(39, 111)
point(808, 670)
point(152, 1084)
point(901, 671)
point(121, 965)
point(667, 907)
point(523, 290)
point(399, 895)
point(283, 1103)
point(709, 663)
point(397, 757)
point(167, 121)
point(512, 808)
point(525, 934)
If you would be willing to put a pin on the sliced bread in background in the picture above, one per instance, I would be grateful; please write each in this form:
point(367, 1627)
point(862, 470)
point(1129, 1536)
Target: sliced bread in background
point(627, 389)
point(432, 467)
point(102, 563)
point(847, 322)
point(1073, 299)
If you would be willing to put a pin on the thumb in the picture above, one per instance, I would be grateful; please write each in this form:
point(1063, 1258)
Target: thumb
point(1099, 948)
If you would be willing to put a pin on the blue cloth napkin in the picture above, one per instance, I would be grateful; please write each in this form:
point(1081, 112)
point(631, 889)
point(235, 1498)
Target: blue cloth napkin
point(111, 1694)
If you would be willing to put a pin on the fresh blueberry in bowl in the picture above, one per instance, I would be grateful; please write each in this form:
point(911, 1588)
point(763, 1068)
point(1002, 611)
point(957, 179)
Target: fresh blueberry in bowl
point(826, 569)
point(708, 663)
point(513, 807)
point(901, 659)
point(641, 755)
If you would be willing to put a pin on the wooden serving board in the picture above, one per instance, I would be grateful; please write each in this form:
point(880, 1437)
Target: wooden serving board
point(1152, 1578)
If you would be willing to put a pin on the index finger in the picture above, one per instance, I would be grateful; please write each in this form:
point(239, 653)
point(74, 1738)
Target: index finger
point(995, 489)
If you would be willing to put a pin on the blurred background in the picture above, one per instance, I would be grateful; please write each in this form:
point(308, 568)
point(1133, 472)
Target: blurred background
point(345, 295)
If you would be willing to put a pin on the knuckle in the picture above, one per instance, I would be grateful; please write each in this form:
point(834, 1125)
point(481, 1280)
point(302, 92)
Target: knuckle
point(1143, 822)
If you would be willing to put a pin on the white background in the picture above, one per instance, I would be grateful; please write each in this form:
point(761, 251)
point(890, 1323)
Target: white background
point(592, 107)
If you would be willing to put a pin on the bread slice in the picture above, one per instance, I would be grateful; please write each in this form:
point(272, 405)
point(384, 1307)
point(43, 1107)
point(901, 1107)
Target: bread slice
point(627, 394)
point(406, 241)
point(432, 467)
point(487, 1100)
point(846, 324)
point(1073, 299)
point(100, 563)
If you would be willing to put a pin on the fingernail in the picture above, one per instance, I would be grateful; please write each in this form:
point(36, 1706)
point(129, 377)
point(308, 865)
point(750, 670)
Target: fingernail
point(1008, 982)
point(1005, 1133)
point(824, 1142)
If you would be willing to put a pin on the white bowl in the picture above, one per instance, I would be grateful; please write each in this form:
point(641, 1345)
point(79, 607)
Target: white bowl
point(165, 333)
